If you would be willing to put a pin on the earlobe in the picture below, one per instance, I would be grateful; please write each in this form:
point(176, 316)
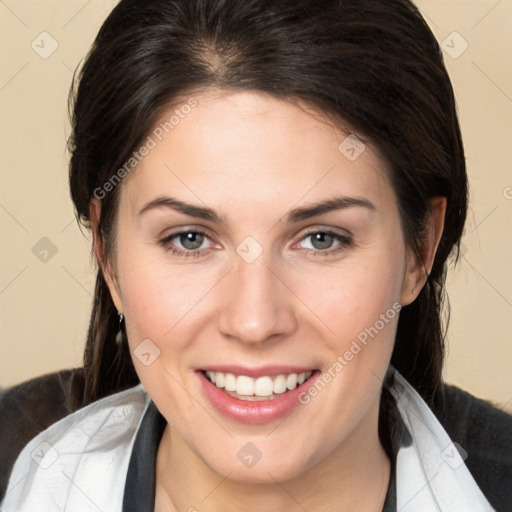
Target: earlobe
point(94, 215)
point(419, 266)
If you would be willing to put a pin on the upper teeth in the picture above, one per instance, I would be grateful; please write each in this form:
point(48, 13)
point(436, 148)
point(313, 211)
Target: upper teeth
point(262, 386)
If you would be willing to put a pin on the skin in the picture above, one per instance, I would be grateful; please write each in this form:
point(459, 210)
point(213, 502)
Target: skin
point(253, 158)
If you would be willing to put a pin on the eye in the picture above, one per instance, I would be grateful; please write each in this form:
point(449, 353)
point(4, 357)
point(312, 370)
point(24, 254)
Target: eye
point(191, 241)
point(322, 241)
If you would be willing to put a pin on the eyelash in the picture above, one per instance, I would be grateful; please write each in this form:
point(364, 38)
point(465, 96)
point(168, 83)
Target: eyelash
point(344, 243)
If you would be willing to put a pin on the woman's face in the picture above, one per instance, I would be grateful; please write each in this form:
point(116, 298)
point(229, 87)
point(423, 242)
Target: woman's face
point(261, 283)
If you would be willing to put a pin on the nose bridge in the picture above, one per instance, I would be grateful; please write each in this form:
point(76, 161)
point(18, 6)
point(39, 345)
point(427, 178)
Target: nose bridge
point(256, 305)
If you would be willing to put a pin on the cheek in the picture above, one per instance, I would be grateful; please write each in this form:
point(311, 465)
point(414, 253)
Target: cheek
point(352, 295)
point(165, 302)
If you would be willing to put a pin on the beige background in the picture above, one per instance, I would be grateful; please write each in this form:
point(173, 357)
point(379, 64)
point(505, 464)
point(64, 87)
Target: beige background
point(45, 305)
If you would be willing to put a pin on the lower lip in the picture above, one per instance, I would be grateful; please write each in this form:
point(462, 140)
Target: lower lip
point(259, 412)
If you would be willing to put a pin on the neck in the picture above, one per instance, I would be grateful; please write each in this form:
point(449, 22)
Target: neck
point(353, 477)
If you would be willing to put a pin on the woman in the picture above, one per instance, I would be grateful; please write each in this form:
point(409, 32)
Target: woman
point(274, 189)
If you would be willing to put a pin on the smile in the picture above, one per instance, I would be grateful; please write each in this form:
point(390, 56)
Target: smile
point(266, 387)
point(268, 395)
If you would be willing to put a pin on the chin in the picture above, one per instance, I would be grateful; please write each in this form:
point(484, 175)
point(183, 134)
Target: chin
point(262, 473)
point(266, 466)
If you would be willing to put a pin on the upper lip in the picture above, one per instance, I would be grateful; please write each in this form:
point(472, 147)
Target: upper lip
point(255, 372)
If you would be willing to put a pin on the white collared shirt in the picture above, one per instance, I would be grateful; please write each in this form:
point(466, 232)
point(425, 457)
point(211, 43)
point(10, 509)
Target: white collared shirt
point(80, 463)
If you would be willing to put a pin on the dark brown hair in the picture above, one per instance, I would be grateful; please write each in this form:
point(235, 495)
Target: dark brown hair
point(372, 64)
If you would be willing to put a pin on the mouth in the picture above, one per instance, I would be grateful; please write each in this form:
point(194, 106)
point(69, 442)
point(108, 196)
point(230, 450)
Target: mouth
point(266, 387)
point(266, 395)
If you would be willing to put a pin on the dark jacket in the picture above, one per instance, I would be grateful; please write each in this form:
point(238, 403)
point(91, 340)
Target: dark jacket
point(484, 431)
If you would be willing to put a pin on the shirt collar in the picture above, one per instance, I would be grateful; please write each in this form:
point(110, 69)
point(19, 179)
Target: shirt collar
point(139, 492)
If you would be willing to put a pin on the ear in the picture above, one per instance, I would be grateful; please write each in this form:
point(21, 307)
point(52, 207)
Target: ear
point(418, 267)
point(106, 267)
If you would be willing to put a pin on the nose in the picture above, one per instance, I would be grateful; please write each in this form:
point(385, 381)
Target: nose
point(257, 304)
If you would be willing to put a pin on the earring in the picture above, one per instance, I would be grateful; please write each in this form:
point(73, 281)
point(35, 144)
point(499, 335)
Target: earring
point(119, 335)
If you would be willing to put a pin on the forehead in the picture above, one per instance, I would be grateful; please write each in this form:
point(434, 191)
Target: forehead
point(240, 147)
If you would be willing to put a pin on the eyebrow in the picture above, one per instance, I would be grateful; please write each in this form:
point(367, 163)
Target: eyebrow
point(186, 208)
point(329, 205)
point(295, 215)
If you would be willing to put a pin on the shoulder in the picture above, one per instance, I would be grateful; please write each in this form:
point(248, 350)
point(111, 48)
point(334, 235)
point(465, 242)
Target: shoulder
point(484, 432)
point(92, 444)
point(52, 389)
point(29, 408)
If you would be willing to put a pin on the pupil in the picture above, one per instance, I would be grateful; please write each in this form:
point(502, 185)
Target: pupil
point(189, 240)
point(320, 237)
